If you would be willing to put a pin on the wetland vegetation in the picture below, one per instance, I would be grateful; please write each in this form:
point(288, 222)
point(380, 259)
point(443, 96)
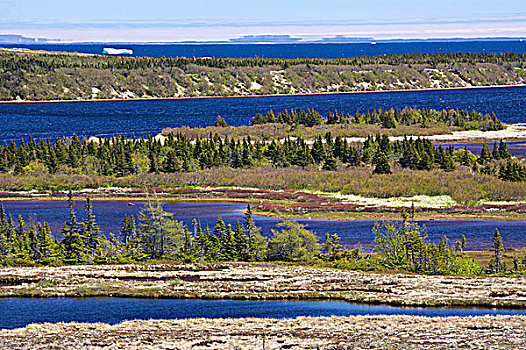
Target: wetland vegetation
point(292, 161)
point(155, 235)
point(374, 166)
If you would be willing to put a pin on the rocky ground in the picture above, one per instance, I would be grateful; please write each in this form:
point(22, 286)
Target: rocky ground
point(261, 281)
point(266, 281)
point(359, 332)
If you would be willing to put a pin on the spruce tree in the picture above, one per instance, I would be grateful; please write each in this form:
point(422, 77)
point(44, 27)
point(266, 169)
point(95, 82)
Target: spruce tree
point(90, 230)
point(382, 165)
point(242, 249)
point(485, 154)
point(498, 248)
point(73, 241)
point(503, 151)
point(128, 232)
point(256, 242)
point(47, 245)
point(330, 164)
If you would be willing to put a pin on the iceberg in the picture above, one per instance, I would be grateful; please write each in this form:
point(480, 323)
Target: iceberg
point(112, 51)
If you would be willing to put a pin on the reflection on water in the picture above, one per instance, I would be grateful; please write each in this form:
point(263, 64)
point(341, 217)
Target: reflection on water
point(21, 312)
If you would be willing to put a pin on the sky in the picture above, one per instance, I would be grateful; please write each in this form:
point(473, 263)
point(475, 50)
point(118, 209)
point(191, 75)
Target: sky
point(203, 20)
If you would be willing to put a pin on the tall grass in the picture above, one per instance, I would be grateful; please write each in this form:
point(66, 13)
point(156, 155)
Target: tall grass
point(462, 185)
point(265, 132)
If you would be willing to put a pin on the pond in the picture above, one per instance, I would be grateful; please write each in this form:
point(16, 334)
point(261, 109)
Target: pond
point(19, 312)
point(353, 233)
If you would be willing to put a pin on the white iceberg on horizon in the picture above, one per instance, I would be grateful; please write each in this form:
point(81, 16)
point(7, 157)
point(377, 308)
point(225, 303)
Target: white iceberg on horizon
point(113, 51)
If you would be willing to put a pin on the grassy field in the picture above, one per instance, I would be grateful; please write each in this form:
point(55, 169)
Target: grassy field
point(462, 185)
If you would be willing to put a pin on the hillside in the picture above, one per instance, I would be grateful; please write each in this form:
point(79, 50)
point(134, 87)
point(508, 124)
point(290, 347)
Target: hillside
point(38, 75)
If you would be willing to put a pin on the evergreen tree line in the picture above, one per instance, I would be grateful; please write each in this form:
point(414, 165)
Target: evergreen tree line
point(388, 118)
point(118, 156)
point(44, 62)
point(398, 245)
point(155, 235)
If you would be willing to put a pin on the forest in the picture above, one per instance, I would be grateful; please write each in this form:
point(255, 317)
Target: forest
point(156, 235)
point(38, 76)
point(177, 153)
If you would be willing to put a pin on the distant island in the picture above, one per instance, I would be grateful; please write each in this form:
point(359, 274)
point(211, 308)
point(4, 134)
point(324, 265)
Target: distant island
point(27, 75)
point(20, 39)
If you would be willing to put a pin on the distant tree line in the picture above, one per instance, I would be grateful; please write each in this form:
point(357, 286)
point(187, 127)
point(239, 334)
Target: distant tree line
point(390, 118)
point(36, 62)
point(120, 157)
point(67, 76)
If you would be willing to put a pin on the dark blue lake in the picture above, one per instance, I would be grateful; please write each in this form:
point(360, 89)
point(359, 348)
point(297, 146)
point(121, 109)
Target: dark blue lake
point(355, 233)
point(142, 118)
point(327, 50)
point(21, 312)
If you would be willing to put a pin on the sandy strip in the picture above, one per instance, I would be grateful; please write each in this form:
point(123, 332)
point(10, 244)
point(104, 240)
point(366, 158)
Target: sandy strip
point(511, 132)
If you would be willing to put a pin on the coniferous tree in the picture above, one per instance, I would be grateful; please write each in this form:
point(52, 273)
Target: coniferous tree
point(160, 235)
point(503, 151)
point(90, 230)
point(256, 242)
point(330, 164)
point(485, 155)
point(47, 245)
point(241, 241)
point(382, 165)
point(498, 248)
point(128, 232)
point(73, 241)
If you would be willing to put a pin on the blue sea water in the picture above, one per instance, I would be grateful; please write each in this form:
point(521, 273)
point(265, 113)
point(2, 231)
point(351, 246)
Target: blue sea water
point(18, 312)
point(143, 118)
point(353, 233)
point(291, 50)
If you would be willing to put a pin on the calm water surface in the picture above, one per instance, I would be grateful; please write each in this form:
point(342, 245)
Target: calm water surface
point(142, 118)
point(21, 312)
point(356, 233)
point(292, 50)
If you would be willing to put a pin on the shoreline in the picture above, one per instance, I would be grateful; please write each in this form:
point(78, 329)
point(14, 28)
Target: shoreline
point(262, 95)
point(389, 215)
point(380, 213)
point(262, 281)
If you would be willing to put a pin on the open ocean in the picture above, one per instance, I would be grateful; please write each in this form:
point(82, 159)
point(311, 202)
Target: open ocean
point(291, 50)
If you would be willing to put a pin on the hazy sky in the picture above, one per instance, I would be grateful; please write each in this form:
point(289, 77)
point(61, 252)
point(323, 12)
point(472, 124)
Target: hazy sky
point(165, 20)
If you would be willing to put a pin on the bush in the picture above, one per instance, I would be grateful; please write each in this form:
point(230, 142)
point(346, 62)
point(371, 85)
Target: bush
point(293, 243)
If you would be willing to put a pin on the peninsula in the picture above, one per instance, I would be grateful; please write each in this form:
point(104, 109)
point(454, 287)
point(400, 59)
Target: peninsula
point(27, 75)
